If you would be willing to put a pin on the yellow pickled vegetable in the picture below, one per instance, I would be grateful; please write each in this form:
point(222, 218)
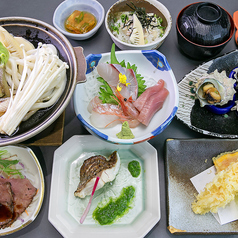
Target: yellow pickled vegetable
point(80, 22)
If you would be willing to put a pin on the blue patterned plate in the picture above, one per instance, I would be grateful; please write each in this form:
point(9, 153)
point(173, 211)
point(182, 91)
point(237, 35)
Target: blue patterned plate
point(152, 65)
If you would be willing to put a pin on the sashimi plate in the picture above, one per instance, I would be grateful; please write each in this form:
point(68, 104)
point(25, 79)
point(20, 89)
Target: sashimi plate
point(208, 123)
point(34, 173)
point(65, 210)
point(152, 65)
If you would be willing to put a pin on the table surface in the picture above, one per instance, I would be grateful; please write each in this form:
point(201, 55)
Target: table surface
point(101, 43)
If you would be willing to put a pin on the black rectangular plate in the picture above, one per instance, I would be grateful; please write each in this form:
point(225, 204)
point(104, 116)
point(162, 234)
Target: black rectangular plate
point(185, 159)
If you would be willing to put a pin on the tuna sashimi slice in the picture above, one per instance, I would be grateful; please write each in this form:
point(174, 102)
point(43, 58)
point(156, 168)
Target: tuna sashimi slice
point(154, 104)
point(110, 73)
point(143, 98)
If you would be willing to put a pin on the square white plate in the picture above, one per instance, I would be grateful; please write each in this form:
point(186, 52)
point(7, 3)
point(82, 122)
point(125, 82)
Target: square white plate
point(65, 209)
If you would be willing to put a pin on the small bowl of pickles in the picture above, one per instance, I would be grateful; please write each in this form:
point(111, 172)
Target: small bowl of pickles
point(79, 19)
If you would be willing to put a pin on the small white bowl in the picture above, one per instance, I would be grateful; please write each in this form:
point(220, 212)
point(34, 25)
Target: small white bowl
point(152, 65)
point(68, 6)
point(149, 5)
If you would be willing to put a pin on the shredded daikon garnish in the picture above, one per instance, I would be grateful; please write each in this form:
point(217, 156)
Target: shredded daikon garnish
point(218, 193)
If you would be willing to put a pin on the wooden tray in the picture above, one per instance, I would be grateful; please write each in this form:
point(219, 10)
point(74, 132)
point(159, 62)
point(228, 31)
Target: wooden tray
point(52, 136)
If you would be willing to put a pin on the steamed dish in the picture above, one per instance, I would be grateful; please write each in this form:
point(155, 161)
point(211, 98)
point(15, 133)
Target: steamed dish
point(116, 181)
point(224, 187)
point(31, 79)
point(137, 27)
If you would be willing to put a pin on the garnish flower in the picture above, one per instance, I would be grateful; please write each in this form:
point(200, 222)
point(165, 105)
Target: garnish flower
point(122, 80)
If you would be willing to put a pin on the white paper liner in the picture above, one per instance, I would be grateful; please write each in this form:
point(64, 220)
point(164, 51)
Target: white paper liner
point(224, 215)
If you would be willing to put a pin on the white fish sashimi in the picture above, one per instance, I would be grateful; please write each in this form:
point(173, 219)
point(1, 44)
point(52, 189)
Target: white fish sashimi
point(97, 166)
point(103, 114)
point(110, 73)
point(104, 120)
point(96, 101)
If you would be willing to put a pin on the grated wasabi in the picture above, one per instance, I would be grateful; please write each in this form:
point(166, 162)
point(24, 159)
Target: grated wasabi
point(125, 132)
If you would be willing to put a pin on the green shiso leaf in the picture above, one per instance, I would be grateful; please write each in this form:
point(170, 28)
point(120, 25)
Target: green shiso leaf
point(105, 91)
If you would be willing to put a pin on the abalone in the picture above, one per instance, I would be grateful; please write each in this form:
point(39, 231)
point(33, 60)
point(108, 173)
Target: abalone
point(215, 89)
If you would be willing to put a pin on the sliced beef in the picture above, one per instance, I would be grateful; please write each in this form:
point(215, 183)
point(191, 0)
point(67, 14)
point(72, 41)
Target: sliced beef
point(23, 192)
point(6, 203)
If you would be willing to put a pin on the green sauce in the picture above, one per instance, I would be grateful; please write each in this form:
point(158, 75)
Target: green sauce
point(125, 132)
point(115, 208)
point(134, 168)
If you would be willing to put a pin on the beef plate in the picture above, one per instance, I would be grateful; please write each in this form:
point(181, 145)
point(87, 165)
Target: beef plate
point(22, 192)
point(6, 203)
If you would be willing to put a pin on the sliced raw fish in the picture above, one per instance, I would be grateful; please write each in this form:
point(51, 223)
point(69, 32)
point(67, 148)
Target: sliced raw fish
point(110, 73)
point(96, 101)
point(104, 114)
point(154, 104)
point(133, 123)
point(104, 120)
point(143, 98)
point(97, 166)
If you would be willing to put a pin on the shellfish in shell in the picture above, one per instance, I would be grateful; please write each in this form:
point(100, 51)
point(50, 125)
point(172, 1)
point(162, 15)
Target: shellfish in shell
point(215, 89)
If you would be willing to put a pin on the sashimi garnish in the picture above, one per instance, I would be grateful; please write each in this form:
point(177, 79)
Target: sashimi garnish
point(119, 78)
point(133, 78)
point(90, 202)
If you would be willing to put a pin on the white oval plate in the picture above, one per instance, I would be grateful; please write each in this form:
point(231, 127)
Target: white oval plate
point(65, 210)
point(27, 157)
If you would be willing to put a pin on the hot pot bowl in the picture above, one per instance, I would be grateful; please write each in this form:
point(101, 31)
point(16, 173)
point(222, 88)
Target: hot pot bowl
point(37, 31)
